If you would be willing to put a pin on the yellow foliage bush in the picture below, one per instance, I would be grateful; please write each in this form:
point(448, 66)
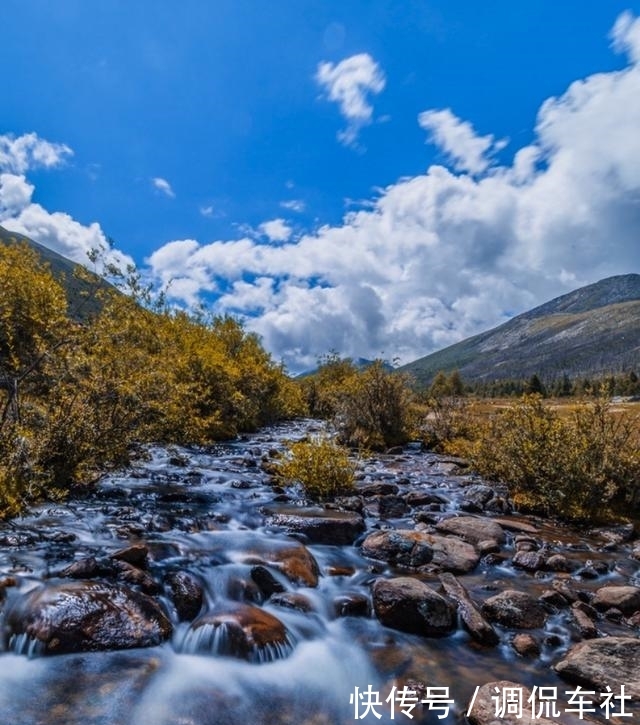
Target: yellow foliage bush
point(580, 466)
point(321, 466)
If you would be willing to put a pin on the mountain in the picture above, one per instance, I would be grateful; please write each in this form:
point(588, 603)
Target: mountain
point(80, 291)
point(594, 330)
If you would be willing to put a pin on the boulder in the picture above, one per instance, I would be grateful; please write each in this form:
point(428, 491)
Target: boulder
point(187, 594)
point(411, 606)
point(596, 663)
point(526, 645)
point(239, 630)
point(84, 617)
point(515, 609)
point(473, 621)
point(624, 598)
point(400, 547)
point(328, 527)
point(472, 529)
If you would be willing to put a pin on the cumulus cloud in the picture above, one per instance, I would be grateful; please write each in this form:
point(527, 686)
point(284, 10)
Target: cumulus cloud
point(458, 140)
point(18, 213)
point(276, 230)
point(29, 151)
point(163, 186)
point(350, 83)
point(443, 255)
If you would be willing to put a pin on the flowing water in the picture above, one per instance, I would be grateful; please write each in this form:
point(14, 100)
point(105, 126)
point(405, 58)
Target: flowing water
point(203, 511)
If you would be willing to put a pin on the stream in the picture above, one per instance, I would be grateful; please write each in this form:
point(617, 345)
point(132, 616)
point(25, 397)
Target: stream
point(213, 518)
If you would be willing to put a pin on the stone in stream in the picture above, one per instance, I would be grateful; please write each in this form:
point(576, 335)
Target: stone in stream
point(411, 606)
point(136, 554)
point(187, 594)
point(85, 617)
point(598, 663)
point(624, 598)
point(516, 609)
point(584, 618)
point(472, 529)
point(321, 526)
point(485, 708)
point(239, 630)
point(473, 621)
point(526, 645)
point(404, 547)
point(530, 560)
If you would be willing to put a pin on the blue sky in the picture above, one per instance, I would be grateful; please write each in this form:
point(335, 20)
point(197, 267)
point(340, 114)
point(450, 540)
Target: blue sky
point(380, 178)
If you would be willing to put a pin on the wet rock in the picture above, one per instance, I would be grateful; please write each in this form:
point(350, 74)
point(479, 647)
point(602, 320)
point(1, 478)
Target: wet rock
point(478, 495)
point(560, 563)
point(472, 529)
point(292, 600)
point(424, 498)
point(187, 594)
point(87, 616)
point(565, 590)
point(136, 554)
point(451, 554)
point(351, 605)
point(88, 568)
point(392, 507)
point(267, 582)
point(526, 645)
point(554, 599)
point(529, 560)
point(239, 630)
point(584, 620)
point(483, 709)
point(598, 663)
point(132, 575)
point(349, 503)
point(472, 619)
point(330, 527)
point(624, 598)
point(380, 488)
point(401, 547)
point(516, 609)
point(516, 525)
point(411, 606)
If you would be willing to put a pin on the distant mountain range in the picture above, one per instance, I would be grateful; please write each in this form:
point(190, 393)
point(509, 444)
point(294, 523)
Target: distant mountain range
point(592, 331)
point(80, 292)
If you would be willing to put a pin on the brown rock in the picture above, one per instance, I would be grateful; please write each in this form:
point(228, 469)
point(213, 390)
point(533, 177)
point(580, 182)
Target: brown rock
point(330, 527)
point(584, 619)
point(612, 661)
point(136, 554)
point(472, 529)
point(401, 547)
point(516, 609)
point(473, 621)
point(624, 598)
point(411, 606)
point(187, 594)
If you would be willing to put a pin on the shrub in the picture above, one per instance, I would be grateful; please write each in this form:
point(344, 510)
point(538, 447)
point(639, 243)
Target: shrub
point(580, 466)
point(321, 466)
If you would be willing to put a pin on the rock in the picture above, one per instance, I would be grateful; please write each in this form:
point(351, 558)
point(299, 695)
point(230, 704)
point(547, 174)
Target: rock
point(424, 498)
point(239, 630)
point(479, 495)
point(624, 598)
point(472, 529)
point(328, 527)
point(483, 709)
point(517, 525)
point(392, 507)
point(292, 600)
point(411, 606)
point(451, 554)
point(526, 645)
point(473, 621)
point(529, 560)
point(560, 563)
point(563, 588)
point(87, 616)
point(612, 661)
point(137, 554)
point(554, 598)
point(266, 581)
point(583, 617)
point(187, 594)
point(351, 605)
point(516, 609)
point(88, 568)
point(401, 547)
point(132, 575)
point(380, 488)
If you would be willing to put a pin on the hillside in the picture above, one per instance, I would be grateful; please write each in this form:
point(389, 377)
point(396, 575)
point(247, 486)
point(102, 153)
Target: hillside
point(80, 292)
point(591, 331)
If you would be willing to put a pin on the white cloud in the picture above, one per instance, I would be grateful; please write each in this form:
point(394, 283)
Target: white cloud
point(29, 151)
point(296, 205)
point(625, 35)
point(18, 213)
point(277, 230)
point(440, 256)
point(459, 141)
point(350, 83)
point(163, 186)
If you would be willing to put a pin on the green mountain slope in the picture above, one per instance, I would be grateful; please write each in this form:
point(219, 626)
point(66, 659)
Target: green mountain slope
point(81, 293)
point(591, 331)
